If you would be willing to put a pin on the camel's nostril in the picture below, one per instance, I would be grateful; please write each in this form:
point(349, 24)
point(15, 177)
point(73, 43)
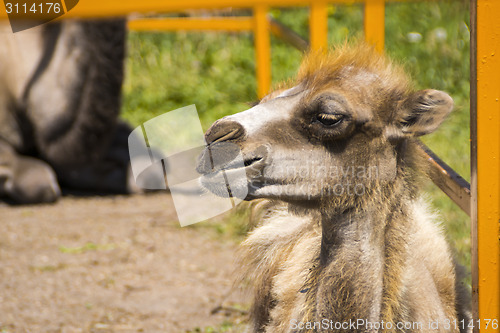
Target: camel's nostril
point(224, 130)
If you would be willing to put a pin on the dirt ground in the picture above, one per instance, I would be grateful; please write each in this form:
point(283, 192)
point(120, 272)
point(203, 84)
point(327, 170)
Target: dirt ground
point(111, 264)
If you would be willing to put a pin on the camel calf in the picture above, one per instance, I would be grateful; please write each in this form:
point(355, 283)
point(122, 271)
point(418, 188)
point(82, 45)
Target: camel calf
point(350, 246)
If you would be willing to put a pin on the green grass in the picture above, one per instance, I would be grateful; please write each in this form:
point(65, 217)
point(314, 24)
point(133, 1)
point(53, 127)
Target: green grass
point(440, 60)
point(217, 73)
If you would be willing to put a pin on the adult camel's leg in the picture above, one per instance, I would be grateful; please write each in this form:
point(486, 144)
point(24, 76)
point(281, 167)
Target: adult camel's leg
point(25, 179)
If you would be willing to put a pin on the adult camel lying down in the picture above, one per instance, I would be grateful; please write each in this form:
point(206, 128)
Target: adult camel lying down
point(60, 90)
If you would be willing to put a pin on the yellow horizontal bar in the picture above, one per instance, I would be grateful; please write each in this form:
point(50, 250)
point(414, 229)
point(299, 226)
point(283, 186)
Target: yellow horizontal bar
point(112, 8)
point(176, 24)
point(93, 8)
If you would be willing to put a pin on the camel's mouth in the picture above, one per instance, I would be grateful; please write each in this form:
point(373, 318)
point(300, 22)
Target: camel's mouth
point(249, 162)
point(232, 177)
point(233, 168)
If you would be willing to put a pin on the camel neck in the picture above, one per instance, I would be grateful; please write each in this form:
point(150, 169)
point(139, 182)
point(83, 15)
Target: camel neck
point(359, 251)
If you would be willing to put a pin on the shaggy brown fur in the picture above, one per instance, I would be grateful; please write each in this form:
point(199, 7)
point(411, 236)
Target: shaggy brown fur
point(324, 258)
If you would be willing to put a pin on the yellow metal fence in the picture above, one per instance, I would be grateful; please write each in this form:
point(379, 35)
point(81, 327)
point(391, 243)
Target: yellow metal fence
point(259, 24)
point(485, 141)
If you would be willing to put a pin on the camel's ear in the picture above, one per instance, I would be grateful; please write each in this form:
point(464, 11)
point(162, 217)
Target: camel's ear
point(421, 113)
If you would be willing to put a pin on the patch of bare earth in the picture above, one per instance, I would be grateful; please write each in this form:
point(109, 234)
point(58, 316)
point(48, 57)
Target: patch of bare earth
point(112, 264)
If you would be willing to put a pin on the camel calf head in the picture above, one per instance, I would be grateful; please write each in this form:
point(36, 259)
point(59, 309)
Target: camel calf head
point(332, 134)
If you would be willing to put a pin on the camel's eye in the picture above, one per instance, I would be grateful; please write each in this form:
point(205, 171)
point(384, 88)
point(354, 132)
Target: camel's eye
point(327, 117)
point(330, 120)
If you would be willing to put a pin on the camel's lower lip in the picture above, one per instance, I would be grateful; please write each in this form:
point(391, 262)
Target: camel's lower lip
point(235, 179)
point(227, 182)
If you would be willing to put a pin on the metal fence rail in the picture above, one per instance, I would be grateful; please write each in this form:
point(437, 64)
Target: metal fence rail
point(485, 156)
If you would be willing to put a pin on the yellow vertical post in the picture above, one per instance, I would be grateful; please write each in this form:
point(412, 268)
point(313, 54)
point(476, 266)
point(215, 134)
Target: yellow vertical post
point(318, 25)
point(485, 129)
point(374, 21)
point(262, 50)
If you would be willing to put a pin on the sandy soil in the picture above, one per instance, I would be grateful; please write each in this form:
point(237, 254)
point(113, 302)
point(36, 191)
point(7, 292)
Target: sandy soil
point(111, 264)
